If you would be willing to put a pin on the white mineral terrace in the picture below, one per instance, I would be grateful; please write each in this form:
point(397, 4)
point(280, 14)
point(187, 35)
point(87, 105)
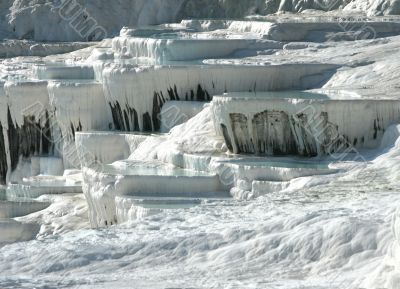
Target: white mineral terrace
point(264, 149)
point(302, 123)
point(133, 178)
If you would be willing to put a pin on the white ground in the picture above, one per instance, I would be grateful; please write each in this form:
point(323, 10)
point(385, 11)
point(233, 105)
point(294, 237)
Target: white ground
point(334, 234)
point(337, 231)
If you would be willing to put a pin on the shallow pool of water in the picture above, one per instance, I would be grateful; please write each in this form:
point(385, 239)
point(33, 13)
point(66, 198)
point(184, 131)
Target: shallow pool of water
point(285, 163)
point(297, 94)
point(134, 168)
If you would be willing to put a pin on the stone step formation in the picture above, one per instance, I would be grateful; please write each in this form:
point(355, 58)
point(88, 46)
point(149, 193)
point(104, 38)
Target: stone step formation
point(22, 199)
point(103, 113)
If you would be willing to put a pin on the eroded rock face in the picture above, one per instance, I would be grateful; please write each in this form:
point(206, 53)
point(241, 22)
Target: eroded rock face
point(267, 133)
point(126, 118)
point(3, 157)
point(32, 138)
point(136, 96)
point(274, 126)
point(307, 127)
point(22, 141)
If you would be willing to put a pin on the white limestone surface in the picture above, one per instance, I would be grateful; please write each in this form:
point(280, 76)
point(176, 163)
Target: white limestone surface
point(105, 147)
point(104, 183)
point(27, 98)
point(309, 231)
point(13, 231)
point(174, 113)
point(67, 21)
point(305, 124)
point(133, 87)
point(164, 51)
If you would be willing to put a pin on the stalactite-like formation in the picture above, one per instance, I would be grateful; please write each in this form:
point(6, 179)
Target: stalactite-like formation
point(270, 135)
point(33, 138)
point(127, 119)
point(3, 157)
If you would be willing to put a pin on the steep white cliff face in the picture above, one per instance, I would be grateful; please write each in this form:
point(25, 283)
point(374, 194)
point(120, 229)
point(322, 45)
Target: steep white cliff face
point(136, 94)
point(301, 123)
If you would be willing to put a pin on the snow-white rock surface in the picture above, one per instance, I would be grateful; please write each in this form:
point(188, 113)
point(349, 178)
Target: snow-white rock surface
point(300, 123)
point(181, 210)
point(67, 20)
point(336, 230)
